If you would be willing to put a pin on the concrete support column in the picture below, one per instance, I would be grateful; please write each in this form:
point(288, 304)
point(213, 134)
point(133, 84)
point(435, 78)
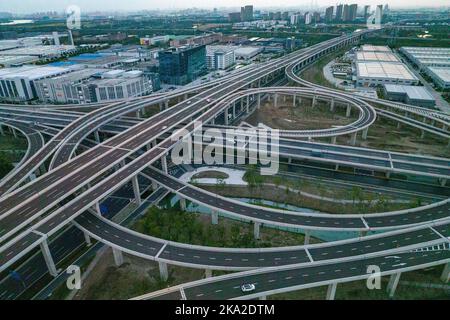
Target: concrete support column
point(118, 257)
point(97, 136)
point(349, 110)
point(353, 139)
point(185, 96)
point(242, 105)
point(332, 105)
point(208, 273)
point(263, 298)
point(247, 106)
point(48, 258)
point(234, 111)
point(183, 204)
point(1, 130)
point(445, 276)
point(136, 191)
point(256, 227)
point(331, 291)
point(97, 208)
point(163, 273)
point(259, 100)
point(364, 133)
point(336, 167)
point(164, 163)
point(333, 140)
point(422, 134)
point(154, 185)
point(14, 132)
point(214, 217)
point(225, 116)
point(393, 283)
point(166, 104)
point(442, 182)
point(294, 98)
point(362, 234)
point(138, 114)
point(307, 237)
point(275, 100)
point(314, 100)
point(87, 239)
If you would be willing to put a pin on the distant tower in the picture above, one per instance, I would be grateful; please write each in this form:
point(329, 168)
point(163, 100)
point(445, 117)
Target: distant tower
point(70, 37)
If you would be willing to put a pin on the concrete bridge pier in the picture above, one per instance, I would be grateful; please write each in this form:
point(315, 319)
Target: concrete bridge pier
point(163, 273)
point(97, 136)
point(14, 132)
point(136, 191)
point(164, 163)
point(2, 132)
point(314, 101)
point(183, 204)
point(422, 134)
point(353, 139)
point(214, 217)
point(332, 105)
point(393, 283)
point(247, 106)
point(97, 209)
point(364, 133)
point(333, 140)
point(307, 237)
point(256, 230)
point(87, 239)
point(154, 185)
point(331, 291)
point(48, 258)
point(166, 104)
point(262, 298)
point(445, 276)
point(275, 100)
point(118, 257)
point(208, 273)
point(348, 111)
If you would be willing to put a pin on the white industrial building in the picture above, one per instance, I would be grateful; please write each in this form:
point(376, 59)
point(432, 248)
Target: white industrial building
point(67, 88)
point(220, 57)
point(369, 47)
point(13, 61)
point(17, 84)
point(247, 53)
point(371, 74)
point(440, 76)
point(425, 57)
point(40, 51)
point(414, 95)
point(120, 85)
point(376, 56)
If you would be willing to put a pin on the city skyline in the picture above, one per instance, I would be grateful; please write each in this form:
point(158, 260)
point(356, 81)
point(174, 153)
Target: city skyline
point(30, 6)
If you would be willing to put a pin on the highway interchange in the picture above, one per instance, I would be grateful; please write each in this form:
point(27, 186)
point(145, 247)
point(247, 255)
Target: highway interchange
point(74, 185)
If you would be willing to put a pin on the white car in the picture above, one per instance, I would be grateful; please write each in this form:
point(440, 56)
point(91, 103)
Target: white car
point(248, 287)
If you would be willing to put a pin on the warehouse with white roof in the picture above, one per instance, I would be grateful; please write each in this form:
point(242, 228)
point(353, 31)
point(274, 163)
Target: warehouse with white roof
point(414, 95)
point(440, 76)
point(374, 73)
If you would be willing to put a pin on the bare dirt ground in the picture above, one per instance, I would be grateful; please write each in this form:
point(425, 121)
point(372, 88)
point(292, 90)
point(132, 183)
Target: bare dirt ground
point(301, 117)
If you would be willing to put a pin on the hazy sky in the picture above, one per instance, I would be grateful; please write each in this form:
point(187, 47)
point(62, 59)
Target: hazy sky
point(25, 6)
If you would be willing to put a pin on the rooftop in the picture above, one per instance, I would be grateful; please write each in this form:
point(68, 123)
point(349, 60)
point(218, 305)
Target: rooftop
point(386, 70)
point(443, 73)
point(32, 72)
point(413, 92)
point(369, 47)
point(376, 56)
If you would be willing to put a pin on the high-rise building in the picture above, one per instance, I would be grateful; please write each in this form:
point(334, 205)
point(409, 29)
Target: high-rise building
point(220, 57)
point(182, 65)
point(366, 12)
point(234, 17)
point(247, 13)
point(316, 17)
point(339, 12)
point(329, 14)
point(295, 19)
point(308, 18)
point(350, 12)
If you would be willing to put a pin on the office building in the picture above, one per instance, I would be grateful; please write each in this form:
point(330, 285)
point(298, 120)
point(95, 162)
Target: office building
point(234, 17)
point(366, 12)
point(329, 14)
point(179, 66)
point(339, 12)
point(247, 13)
point(308, 18)
point(220, 57)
